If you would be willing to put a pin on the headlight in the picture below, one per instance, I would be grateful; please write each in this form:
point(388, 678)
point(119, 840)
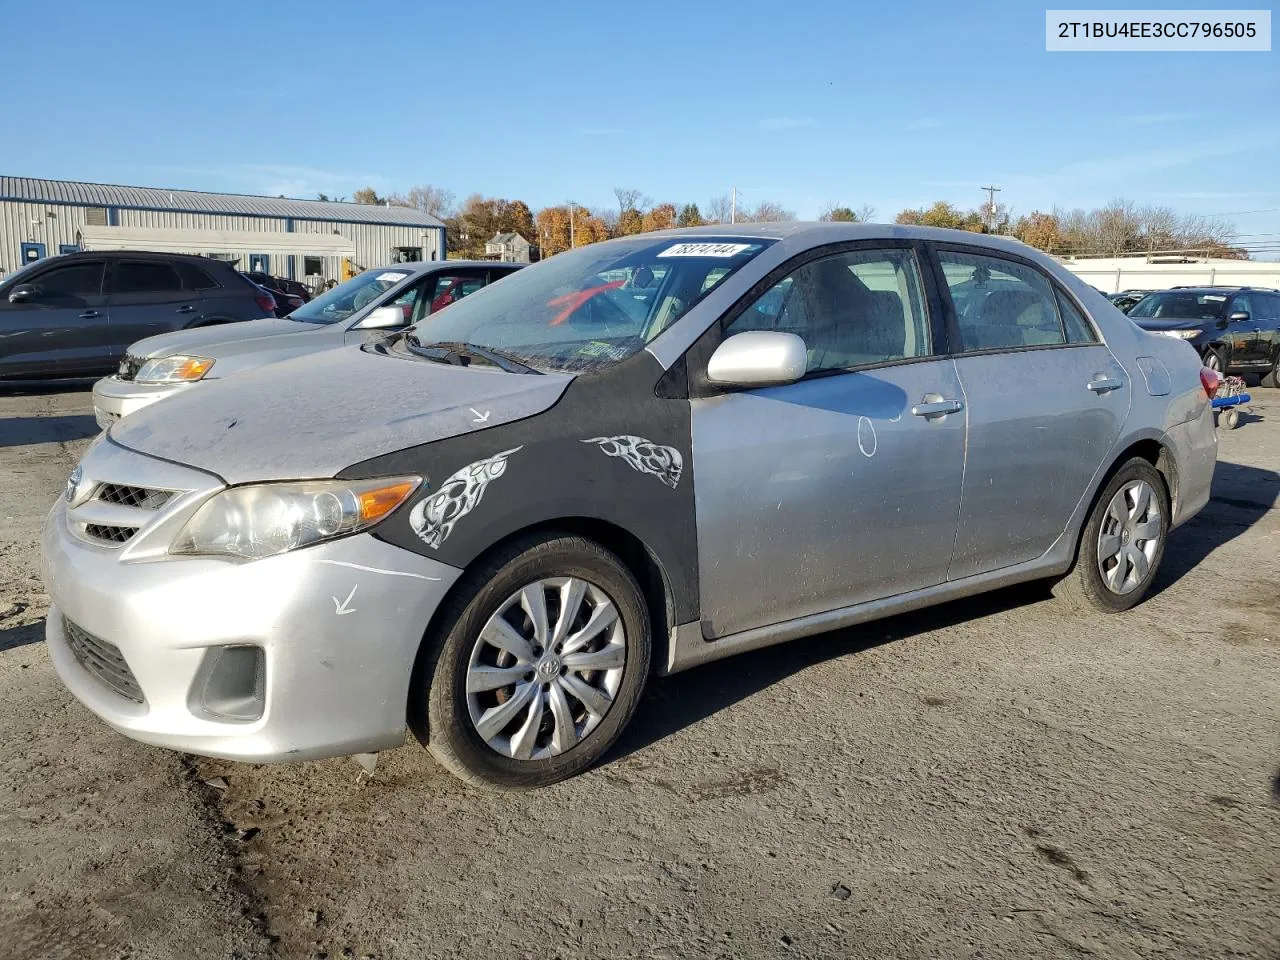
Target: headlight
point(265, 519)
point(173, 370)
point(1182, 334)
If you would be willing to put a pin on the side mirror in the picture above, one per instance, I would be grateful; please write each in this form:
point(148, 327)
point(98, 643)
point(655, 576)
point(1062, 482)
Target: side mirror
point(758, 358)
point(383, 317)
point(1240, 316)
point(23, 292)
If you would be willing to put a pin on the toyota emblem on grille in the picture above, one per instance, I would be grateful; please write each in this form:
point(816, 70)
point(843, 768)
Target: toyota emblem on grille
point(73, 483)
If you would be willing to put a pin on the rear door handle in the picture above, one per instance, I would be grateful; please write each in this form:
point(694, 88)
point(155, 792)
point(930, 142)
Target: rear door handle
point(1102, 384)
point(186, 309)
point(90, 314)
point(936, 408)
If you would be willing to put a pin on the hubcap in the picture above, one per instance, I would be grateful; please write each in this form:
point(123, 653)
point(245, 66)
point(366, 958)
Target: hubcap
point(546, 668)
point(1129, 537)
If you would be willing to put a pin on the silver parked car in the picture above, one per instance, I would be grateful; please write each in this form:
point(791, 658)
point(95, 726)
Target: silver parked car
point(633, 458)
point(366, 306)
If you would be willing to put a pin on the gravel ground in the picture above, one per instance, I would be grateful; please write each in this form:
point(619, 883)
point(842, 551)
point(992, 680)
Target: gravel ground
point(989, 778)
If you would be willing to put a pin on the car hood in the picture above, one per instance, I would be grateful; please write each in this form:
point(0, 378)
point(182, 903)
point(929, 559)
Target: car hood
point(226, 339)
point(1148, 324)
point(236, 347)
point(316, 415)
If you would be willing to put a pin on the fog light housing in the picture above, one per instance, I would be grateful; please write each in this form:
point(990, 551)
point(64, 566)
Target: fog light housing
point(231, 684)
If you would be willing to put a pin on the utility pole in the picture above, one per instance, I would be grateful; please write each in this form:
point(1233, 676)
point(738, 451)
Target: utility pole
point(570, 224)
point(733, 206)
point(991, 207)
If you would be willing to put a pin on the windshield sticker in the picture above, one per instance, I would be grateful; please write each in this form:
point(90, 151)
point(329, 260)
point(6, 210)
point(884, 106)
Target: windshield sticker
point(1213, 296)
point(433, 519)
point(643, 455)
point(392, 277)
point(705, 250)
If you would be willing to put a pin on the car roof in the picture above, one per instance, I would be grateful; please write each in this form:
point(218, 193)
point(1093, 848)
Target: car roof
point(157, 254)
point(822, 232)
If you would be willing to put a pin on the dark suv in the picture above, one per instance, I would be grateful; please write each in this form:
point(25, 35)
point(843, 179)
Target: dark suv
point(1236, 330)
point(74, 315)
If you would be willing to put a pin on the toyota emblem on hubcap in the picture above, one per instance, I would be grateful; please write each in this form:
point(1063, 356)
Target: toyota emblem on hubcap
point(549, 668)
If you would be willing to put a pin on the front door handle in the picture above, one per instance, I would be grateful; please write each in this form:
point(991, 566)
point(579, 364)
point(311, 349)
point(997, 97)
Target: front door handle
point(186, 309)
point(1102, 384)
point(90, 314)
point(936, 408)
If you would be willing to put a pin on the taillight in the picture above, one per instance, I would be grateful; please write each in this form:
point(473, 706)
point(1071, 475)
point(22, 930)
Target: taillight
point(266, 302)
point(1210, 380)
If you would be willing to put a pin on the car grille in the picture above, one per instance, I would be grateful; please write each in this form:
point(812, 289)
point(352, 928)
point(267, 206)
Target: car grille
point(129, 367)
point(103, 660)
point(141, 497)
point(109, 534)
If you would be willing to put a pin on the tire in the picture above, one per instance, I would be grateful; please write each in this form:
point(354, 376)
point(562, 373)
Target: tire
point(1085, 587)
point(1231, 418)
point(1214, 361)
point(1272, 379)
point(517, 751)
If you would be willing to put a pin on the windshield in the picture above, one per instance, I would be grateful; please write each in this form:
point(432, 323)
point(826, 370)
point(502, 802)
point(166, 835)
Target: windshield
point(1180, 305)
point(591, 307)
point(347, 298)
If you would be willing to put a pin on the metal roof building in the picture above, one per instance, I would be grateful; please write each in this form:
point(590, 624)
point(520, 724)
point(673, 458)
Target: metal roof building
point(307, 240)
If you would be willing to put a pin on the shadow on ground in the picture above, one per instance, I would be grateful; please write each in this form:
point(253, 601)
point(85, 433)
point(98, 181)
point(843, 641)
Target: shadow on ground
point(13, 637)
point(1241, 497)
point(27, 431)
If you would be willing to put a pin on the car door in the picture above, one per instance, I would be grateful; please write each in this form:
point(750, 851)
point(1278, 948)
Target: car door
point(1046, 402)
point(1268, 326)
point(147, 298)
point(843, 487)
point(1244, 335)
point(59, 326)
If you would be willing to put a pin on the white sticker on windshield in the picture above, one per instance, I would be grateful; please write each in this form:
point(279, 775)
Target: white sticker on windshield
point(392, 277)
point(705, 250)
point(1213, 296)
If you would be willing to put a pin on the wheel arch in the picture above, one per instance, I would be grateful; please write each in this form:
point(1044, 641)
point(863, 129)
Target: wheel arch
point(637, 556)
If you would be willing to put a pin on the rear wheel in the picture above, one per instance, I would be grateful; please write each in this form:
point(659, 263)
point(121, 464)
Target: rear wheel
point(540, 666)
point(1122, 543)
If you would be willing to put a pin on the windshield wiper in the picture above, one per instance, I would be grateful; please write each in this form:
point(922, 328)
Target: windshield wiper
point(463, 354)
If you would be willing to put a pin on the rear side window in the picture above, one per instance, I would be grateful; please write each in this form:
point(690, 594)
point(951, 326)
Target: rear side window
point(850, 309)
point(136, 276)
point(73, 280)
point(193, 278)
point(1078, 328)
point(1001, 304)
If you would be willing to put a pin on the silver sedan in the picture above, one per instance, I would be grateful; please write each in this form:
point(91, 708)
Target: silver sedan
point(632, 458)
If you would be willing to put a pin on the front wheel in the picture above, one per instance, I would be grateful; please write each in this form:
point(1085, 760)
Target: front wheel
point(1122, 543)
point(1213, 360)
point(542, 658)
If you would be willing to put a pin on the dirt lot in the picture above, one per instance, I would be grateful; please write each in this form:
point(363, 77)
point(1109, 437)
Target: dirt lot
point(989, 778)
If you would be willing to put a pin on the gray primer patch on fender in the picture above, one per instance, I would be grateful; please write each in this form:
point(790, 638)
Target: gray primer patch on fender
point(643, 455)
point(433, 519)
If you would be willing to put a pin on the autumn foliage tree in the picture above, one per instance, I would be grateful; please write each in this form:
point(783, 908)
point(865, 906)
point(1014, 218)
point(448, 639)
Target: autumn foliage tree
point(661, 217)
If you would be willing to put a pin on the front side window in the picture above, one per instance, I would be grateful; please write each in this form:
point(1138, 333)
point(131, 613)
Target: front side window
point(138, 276)
point(851, 309)
point(1242, 303)
point(71, 283)
point(590, 307)
point(1000, 304)
point(1180, 305)
point(345, 299)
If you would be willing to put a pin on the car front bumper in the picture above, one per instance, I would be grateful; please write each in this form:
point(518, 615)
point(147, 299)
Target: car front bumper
point(336, 627)
point(114, 398)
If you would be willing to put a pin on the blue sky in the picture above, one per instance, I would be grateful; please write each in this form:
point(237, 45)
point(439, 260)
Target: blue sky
point(888, 104)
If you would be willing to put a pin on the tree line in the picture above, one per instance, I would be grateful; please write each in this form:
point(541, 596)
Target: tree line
point(1120, 227)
